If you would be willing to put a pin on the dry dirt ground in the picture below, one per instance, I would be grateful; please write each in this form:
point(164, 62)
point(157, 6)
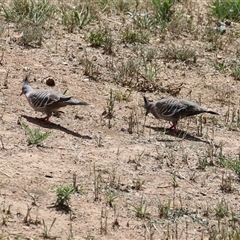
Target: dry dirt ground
point(134, 167)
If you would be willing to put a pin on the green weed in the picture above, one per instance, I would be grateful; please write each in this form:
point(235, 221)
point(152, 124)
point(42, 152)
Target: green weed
point(127, 70)
point(90, 237)
point(121, 5)
point(226, 9)
point(164, 209)
point(221, 209)
point(150, 70)
point(73, 18)
point(31, 34)
point(131, 36)
point(236, 72)
point(110, 196)
point(36, 12)
point(132, 121)
point(162, 12)
point(137, 159)
point(103, 221)
point(123, 96)
point(35, 136)
point(220, 66)
point(46, 230)
point(64, 196)
point(226, 184)
point(142, 21)
point(174, 180)
point(97, 182)
point(235, 165)
point(30, 17)
point(91, 68)
point(150, 54)
point(109, 113)
point(101, 39)
point(141, 209)
point(181, 53)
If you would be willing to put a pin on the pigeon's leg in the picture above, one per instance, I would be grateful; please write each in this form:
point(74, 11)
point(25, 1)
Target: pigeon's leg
point(46, 119)
point(173, 127)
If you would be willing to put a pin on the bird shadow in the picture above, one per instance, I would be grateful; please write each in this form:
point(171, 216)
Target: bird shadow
point(179, 134)
point(51, 125)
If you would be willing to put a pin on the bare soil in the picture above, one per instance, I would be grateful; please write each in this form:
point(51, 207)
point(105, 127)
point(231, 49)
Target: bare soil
point(143, 166)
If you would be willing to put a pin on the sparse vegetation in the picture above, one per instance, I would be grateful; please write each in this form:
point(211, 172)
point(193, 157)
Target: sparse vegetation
point(127, 70)
point(75, 18)
point(221, 209)
point(109, 113)
point(129, 177)
point(29, 17)
point(163, 11)
point(36, 12)
point(110, 196)
point(141, 209)
point(227, 9)
point(236, 72)
point(64, 196)
point(150, 70)
point(46, 229)
point(102, 39)
point(138, 184)
point(123, 96)
point(132, 36)
point(235, 165)
point(180, 53)
point(142, 21)
point(164, 209)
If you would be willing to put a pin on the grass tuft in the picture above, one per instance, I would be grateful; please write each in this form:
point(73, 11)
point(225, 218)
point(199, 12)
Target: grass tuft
point(180, 53)
point(36, 12)
point(35, 137)
point(64, 196)
point(102, 38)
point(29, 17)
point(226, 9)
point(73, 18)
point(163, 12)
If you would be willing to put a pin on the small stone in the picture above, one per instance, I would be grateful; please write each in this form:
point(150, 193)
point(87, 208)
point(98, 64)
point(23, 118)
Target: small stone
point(50, 82)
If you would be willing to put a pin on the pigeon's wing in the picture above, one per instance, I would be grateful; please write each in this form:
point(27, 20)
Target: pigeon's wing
point(192, 108)
point(169, 107)
point(45, 98)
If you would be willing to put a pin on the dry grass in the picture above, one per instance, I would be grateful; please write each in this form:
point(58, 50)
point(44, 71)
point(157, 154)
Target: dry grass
point(132, 179)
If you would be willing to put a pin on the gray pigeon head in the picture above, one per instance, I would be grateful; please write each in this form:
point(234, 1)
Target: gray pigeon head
point(26, 87)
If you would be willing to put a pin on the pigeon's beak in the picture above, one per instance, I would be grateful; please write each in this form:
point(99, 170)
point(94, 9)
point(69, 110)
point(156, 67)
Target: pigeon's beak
point(21, 93)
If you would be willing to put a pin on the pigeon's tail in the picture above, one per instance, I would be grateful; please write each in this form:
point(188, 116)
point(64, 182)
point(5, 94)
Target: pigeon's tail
point(211, 112)
point(76, 102)
point(148, 105)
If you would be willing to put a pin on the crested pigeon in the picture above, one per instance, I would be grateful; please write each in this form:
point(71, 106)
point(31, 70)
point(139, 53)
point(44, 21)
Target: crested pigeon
point(47, 101)
point(173, 109)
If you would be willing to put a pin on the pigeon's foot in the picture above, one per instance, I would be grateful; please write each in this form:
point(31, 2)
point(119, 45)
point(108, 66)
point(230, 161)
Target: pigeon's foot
point(173, 128)
point(45, 119)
